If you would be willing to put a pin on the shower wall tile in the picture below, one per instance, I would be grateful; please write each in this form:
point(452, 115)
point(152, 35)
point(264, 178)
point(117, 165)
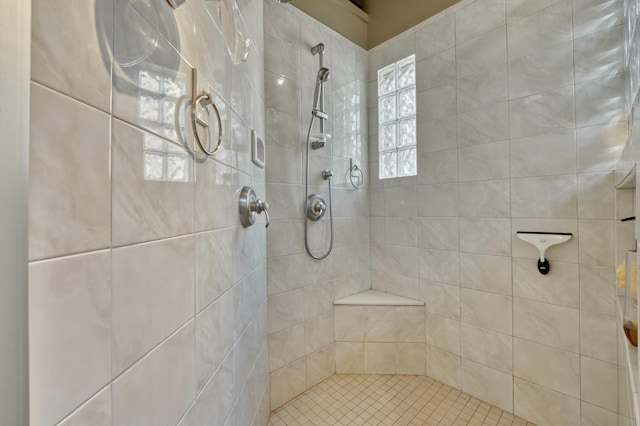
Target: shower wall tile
point(487, 384)
point(484, 162)
point(541, 30)
point(435, 37)
point(491, 349)
point(547, 197)
point(484, 125)
point(483, 52)
point(547, 324)
point(487, 273)
point(597, 148)
point(482, 88)
point(161, 386)
point(437, 167)
point(477, 18)
point(567, 252)
point(145, 208)
point(321, 364)
point(69, 180)
point(520, 8)
point(436, 70)
point(543, 405)
point(559, 287)
point(600, 101)
point(70, 42)
point(69, 316)
point(443, 333)
point(96, 411)
point(485, 199)
point(599, 54)
point(137, 199)
point(544, 155)
point(486, 310)
point(444, 366)
point(542, 113)
point(541, 72)
point(436, 134)
point(590, 16)
point(159, 299)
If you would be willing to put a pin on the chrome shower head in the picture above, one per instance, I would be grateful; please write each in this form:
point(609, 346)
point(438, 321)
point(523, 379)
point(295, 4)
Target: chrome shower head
point(323, 74)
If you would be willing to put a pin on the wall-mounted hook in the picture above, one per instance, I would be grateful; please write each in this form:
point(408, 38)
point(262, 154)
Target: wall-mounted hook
point(542, 241)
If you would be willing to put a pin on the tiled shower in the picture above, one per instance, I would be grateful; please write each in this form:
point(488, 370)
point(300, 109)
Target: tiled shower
point(151, 304)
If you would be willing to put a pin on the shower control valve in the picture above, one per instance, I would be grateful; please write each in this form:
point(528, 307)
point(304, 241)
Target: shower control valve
point(251, 206)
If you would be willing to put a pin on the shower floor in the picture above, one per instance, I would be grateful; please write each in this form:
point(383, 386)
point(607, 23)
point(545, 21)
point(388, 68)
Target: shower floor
point(388, 400)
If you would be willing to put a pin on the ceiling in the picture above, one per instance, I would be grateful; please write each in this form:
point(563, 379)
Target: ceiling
point(379, 21)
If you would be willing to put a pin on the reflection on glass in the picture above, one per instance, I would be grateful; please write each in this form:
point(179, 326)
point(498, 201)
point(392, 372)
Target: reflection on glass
point(164, 161)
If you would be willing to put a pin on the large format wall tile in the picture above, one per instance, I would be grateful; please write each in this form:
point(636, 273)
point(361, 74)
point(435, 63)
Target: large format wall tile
point(153, 294)
point(71, 48)
point(160, 387)
point(96, 411)
point(69, 177)
point(69, 337)
point(151, 199)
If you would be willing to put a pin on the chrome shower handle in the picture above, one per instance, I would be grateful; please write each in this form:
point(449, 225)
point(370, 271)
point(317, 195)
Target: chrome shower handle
point(251, 206)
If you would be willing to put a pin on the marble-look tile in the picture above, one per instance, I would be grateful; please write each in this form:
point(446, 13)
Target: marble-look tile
point(545, 197)
point(286, 346)
point(596, 195)
point(542, 71)
point(444, 366)
point(286, 237)
point(437, 134)
point(401, 201)
point(487, 384)
point(149, 303)
point(484, 162)
point(482, 88)
point(69, 311)
point(437, 167)
point(320, 365)
point(486, 310)
point(596, 242)
point(285, 165)
point(598, 336)
point(69, 179)
point(485, 236)
point(441, 299)
point(400, 231)
point(379, 358)
point(551, 325)
point(566, 252)
point(544, 406)
point(599, 55)
point(600, 101)
point(410, 358)
point(402, 260)
point(437, 102)
point(517, 9)
point(487, 347)
point(281, 22)
point(281, 58)
point(285, 310)
point(438, 233)
point(486, 273)
point(69, 42)
point(349, 323)
point(214, 266)
point(478, 18)
point(540, 30)
point(484, 125)
point(399, 47)
point(559, 287)
point(443, 333)
point(591, 415)
point(596, 292)
point(287, 383)
point(214, 338)
point(146, 205)
point(590, 16)
point(282, 129)
point(215, 198)
point(436, 70)
point(285, 201)
point(553, 368)
point(96, 411)
point(542, 113)
point(440, 266)
point(599, 383)
point(482, 52)
point(282, 94)
point(544, 155)
point(600, 147)
point(319, 299)
point(438, 200)
point(215, 403)
point(160, 387)
point(349, 357)
point(488, 198)
point(319, 332)
point(438, 35)
point(409, 324)
point(379, 324)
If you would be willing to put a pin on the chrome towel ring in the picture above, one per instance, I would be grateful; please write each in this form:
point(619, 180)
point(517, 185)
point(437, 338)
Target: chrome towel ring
point(201, 103)
point(353, 171)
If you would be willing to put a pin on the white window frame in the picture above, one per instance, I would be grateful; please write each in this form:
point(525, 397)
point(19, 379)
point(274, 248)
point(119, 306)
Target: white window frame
point(397, 133)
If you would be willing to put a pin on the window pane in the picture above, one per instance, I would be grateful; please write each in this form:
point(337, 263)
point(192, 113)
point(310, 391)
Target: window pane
point(407, 72)
point(388, 165)
point(387, 80)
point(387, 137)
point(387, 109)
point(407, 103)
point(407, 162)
point(407, 132)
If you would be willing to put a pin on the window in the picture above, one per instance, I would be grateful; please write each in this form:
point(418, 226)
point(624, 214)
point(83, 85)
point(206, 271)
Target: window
point(397, 119)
